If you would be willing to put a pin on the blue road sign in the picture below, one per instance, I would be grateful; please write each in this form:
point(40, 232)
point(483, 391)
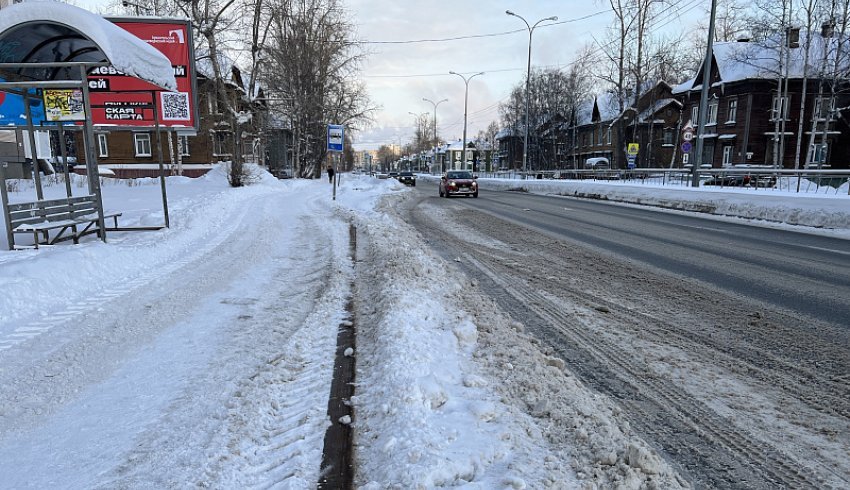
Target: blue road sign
point(686, 147)
point(336, 137)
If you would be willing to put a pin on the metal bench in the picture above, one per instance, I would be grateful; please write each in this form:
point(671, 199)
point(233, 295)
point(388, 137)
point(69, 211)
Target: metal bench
point(73, 217)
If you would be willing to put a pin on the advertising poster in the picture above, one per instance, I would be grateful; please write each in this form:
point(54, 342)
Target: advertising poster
point(64, 105)
point(13, 113)
point(120, 100)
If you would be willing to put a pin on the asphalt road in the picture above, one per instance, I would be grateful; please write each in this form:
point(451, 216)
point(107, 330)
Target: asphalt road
point(725, 346)
point(805, 273)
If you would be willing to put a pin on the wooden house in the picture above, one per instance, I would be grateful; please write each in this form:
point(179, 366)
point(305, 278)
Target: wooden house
point(751, 120)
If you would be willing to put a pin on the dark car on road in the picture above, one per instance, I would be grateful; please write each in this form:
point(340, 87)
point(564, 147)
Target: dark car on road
point(407, 178)
point(458, 183)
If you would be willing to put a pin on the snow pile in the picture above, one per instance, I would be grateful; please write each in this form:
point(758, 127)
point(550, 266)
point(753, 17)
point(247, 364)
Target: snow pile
point(424, 416)
point(450, 392)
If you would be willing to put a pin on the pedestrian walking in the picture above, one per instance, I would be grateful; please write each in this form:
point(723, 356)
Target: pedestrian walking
point(331, 174)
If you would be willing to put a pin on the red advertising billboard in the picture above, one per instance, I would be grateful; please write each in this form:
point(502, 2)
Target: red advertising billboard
point(121, 100)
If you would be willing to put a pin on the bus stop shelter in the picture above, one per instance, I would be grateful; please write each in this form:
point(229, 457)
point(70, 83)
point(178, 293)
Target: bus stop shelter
point(53, 46)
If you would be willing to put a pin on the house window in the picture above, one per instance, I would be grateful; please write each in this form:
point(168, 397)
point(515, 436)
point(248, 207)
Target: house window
point(220, 143)
point(608, 136)
point(668, 137)
point(102, 145)
point(780, 108)
point(824, 107)
point(695, 115)
point(712, 111)
point(732, 111)
point(819, 153)
point(143, 144)
point(183, 145)
point(592, 138)
point(728, 151)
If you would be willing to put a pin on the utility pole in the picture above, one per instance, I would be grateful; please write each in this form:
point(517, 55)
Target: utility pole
point(703, 100)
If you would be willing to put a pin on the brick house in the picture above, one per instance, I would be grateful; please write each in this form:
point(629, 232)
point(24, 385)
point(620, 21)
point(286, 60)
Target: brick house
point(745, 108)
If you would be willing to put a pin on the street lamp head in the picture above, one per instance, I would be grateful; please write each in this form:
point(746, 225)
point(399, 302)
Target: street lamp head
point(453, 73)
point(554, 18)
point(510, 13)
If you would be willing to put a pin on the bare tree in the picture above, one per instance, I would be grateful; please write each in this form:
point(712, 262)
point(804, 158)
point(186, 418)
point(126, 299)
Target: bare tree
point(624, 64)
point(833, 74)
point(553, 95)
point(313, 66)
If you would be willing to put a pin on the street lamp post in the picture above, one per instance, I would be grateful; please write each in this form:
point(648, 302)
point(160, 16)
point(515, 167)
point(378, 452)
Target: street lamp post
point(465, 100)
point(436, 141)
point(127, 3)
point(527, 82)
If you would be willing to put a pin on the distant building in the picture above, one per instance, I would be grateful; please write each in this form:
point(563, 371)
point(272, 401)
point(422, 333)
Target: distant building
point(509, 150)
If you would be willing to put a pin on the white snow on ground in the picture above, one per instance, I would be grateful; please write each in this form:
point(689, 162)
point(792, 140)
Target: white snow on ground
point(201, 355)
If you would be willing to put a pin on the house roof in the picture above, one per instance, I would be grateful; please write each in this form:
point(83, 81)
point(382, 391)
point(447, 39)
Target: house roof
point(608, 108)
point(738, 61)
point(653, 109)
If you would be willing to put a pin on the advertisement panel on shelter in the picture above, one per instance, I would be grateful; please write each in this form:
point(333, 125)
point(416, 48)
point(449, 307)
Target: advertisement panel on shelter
point(121, 100)
point(13, 112)
point(64, 105)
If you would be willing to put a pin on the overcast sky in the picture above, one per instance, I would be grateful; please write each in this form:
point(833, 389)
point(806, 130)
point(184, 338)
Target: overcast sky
point(399, 72)
point(400, 75)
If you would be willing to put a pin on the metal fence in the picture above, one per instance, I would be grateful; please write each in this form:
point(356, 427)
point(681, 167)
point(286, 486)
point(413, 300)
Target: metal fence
point(832, 182)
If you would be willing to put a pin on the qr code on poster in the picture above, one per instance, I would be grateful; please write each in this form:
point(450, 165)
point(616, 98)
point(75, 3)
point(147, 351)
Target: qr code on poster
point(175, 106)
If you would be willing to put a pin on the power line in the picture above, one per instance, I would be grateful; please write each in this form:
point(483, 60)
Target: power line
point(680, 10)
point(479, 36)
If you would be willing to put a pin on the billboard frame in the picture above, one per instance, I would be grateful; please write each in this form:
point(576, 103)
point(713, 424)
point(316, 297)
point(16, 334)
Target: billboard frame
point(192, 74)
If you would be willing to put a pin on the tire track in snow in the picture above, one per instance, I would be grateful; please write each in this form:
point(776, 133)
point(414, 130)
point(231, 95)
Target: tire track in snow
point(681, 409)
point(521, 266)
point(270, 434)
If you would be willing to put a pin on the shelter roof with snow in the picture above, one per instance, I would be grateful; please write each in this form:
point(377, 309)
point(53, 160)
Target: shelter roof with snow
point(53, 32)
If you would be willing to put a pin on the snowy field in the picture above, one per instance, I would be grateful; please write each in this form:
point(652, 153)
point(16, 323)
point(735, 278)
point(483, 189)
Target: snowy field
point(201, 355)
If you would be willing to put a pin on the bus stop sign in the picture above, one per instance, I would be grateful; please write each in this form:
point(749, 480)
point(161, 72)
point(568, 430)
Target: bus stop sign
point(336, 137)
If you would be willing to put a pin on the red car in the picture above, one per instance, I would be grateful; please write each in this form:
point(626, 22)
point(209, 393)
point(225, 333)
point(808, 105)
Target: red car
point(458, 182)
